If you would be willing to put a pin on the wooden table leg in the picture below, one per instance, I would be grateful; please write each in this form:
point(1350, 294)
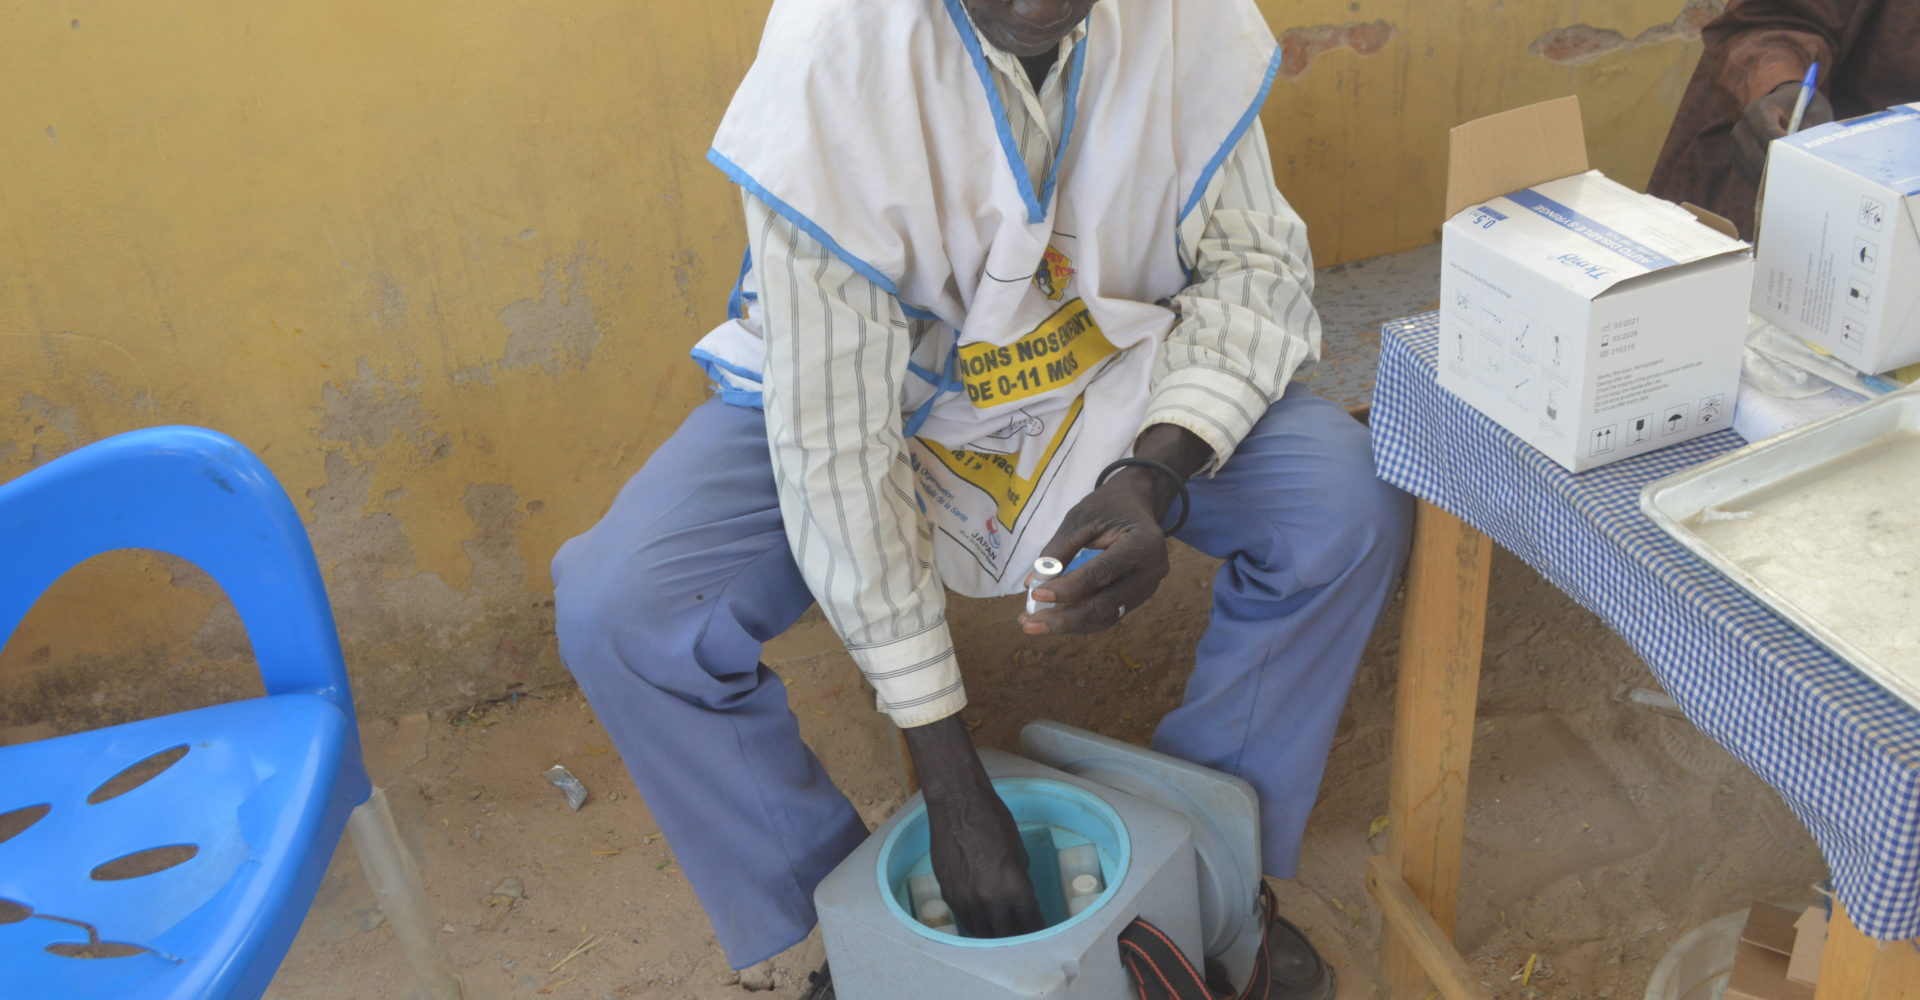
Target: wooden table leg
point(1856, 967)
point(1440, 644)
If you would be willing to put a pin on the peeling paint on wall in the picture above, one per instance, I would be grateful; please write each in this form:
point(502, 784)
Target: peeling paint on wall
point(1579, 43)
point(559, 330)
point(429, 634)
point(108, 645)
point(63, 419)
point(1299, 47)
point(62, 386)
point(554, 332)
point(425, 638)
point(369, 411)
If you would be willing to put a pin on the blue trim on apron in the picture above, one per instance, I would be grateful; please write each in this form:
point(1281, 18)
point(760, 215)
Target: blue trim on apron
point(1036, 203)
point(739, 176)
point(1233, 139)
point(717, 370)
point(946, 382)
point(737, 299)
point(1072, 116)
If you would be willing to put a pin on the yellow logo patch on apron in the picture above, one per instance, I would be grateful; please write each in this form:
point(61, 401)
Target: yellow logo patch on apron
point(1054, 274)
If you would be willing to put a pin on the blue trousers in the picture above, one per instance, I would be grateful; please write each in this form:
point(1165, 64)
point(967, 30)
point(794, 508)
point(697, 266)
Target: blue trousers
point(663, 607)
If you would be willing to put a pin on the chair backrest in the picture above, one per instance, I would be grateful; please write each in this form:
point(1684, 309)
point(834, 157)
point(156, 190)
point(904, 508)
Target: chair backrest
point(195, 494)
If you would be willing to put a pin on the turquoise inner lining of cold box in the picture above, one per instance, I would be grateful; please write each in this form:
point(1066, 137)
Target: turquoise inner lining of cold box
point(1052, 816)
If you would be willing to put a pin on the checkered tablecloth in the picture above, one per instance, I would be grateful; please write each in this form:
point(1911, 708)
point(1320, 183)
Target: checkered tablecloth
point(1842, 751)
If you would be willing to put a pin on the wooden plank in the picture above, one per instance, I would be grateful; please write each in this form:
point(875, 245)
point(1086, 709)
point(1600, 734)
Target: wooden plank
point(1857, 967)
point(1421, 937)
point(1440, 643)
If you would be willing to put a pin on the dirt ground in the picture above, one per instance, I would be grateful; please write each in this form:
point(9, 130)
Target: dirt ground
point(1599, 831)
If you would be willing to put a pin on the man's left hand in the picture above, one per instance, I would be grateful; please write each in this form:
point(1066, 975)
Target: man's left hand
point(1118, 518)
point(1122, 518)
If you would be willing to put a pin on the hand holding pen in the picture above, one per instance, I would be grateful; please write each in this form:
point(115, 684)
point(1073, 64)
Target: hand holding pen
point(1784, 110)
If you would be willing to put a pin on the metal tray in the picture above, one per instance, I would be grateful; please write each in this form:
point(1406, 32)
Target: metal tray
point(1821, 524)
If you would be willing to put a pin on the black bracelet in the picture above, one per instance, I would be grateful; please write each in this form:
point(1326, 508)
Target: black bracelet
point(1186, 502)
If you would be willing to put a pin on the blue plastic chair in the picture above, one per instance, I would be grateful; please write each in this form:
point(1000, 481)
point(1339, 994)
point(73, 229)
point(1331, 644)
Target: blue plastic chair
point(193, 883)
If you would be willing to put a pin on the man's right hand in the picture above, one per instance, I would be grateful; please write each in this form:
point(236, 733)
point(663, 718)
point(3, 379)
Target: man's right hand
point(1766, 120)
point(977, 853)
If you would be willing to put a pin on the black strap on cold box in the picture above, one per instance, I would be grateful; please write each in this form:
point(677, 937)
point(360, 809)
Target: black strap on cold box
point(1161, 972)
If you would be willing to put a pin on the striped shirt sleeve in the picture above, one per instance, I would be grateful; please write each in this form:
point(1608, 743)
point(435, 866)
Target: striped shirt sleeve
point(837, 348)
point(1247, 320)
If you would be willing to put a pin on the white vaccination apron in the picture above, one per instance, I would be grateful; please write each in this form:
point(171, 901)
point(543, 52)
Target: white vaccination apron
point(873, 126)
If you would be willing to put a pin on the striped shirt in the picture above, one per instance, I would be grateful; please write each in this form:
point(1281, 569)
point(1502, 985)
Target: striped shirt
point(836, 356)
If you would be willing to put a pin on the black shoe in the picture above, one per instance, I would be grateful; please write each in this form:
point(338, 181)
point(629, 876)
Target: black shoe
point(1296, 971)
point(819, 985)
point(1299, 973)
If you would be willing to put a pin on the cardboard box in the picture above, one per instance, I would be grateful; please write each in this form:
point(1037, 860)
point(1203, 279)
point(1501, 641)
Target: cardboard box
point(1809, 943)
point(1592, 321)
point(1762, 964)
point(1770, 927)
point(1839, 234)
point(1759, 974)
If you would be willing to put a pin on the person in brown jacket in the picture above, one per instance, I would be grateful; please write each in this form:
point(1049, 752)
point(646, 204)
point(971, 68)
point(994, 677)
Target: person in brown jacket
point(1744, 90)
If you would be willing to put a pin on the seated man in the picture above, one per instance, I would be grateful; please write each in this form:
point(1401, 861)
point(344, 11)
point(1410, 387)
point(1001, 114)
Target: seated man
point(1018, 270)
point(1743, 93)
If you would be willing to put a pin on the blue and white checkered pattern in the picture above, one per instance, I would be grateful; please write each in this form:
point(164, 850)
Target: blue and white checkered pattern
point(1842, 751)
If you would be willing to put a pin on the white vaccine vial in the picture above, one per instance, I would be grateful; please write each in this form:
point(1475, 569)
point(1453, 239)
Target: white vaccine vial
point(1080, 882)
point(1045, 569)
point(937, 915)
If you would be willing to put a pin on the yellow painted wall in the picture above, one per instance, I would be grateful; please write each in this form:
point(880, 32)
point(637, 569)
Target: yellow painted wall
point(439, 263)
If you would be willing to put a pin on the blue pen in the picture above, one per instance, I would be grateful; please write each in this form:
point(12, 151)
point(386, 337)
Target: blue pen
point(1806, 98)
